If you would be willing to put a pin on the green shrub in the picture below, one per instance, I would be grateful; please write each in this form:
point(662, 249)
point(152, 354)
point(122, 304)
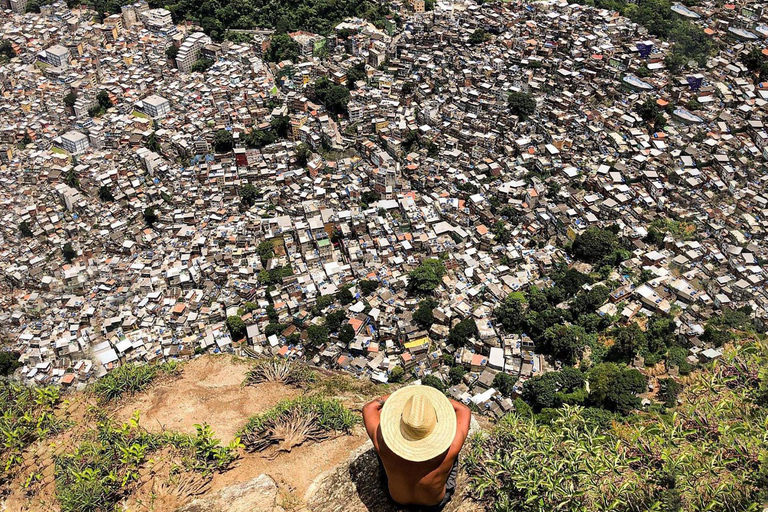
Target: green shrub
point(131, 378)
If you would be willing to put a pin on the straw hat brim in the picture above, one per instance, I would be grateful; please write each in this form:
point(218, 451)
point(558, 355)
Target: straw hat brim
point(436, 443)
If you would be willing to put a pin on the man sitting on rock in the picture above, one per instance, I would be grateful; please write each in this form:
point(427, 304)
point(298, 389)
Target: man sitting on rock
point(418, 434)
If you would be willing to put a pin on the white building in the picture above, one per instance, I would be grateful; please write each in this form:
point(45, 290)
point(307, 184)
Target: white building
point(156, 106)
point(57, 56)
point(157, 19)
point(74, 142)
point(189, 51)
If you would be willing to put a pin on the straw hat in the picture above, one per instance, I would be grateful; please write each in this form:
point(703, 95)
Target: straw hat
point(418, 423)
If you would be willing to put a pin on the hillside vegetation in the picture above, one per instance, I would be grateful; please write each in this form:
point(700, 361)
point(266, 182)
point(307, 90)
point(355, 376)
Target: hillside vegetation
point(710, 452)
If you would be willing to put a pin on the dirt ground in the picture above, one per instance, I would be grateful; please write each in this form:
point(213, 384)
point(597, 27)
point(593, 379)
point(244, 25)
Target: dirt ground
point(209, 390)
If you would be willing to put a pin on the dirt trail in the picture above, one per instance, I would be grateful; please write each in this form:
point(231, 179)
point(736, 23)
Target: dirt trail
point(209, 390)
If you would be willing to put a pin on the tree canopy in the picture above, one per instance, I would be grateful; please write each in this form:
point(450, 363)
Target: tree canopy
point(334, 97)
point(223, 142)
point(521, 104)
point(426, 277)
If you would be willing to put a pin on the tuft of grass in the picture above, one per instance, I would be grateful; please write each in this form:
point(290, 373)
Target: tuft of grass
point(280, 370)
point(131, 378)
point(293, 422)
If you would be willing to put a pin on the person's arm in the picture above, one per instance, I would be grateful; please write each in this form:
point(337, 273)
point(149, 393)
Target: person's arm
point(372, 417)
point(463, 417)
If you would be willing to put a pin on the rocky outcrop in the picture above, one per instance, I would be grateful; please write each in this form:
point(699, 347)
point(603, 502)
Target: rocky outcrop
point(259, 494)
point(357, 486)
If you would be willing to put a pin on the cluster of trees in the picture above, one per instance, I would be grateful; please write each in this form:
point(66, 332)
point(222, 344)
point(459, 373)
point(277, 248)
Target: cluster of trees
point(651, 113)
point(249, 194)
point(217, 17)
point(282, 47)
point(521, 104)
point(150, 216)
point(355, 74)
point(223, 142)
point(279, 127)
point(756, 63)
point(9, 362)
point(600, 247)
point(611, 387)
point(334, 97)
point(6, 51)
point(202, 65)
point(691, 43)
point(274, 276)
point(103, 103)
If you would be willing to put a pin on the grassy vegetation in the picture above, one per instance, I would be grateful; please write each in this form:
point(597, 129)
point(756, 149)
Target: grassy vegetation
point(292, 422)
point(26, 415)
point(106, 467)
point(710, 453)
point(278, 369)
point(131, 378)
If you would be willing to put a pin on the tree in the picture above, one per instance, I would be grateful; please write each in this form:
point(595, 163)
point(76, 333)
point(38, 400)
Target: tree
point(615, 388)
point(105, 194)
point(521, 104)
point(70, 99)
point(6, 51)
point(368, 286)
point(317, 335)
point(282, 47)
point(462, 332)
point(504, 383)
point(628, 341)
point(25, 229)
point(281, 125)
point(355, 74)
point(344, 296)
point(456, 374)
point(346, 334)
point(272, 314)
point(397, 374)
point(223, 142)
point(335, 319)
point(150, 217)
point(303, 152)
point(172, 51)
point(236, 327)
point(104, 100)
point(249, 194)
point(426, 277)
point(265, 250)
point(669, 389)
point(334, 97)
point(68, 252)
point(433, 382)
point(541, 391)
point(423, 315)
point(511, 313)
point(202, 65)
point(565, 343)
point(9, 362)
point(478, 36)
point(152, 144)
point(594, 245)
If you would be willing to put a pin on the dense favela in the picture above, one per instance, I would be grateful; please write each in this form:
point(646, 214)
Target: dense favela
point(261, 256)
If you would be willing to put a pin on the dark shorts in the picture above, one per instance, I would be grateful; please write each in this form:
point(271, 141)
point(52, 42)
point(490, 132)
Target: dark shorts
point(450, 488)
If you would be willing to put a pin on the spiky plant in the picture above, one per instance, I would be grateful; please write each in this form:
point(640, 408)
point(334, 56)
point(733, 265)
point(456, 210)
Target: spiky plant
point(280, 370)
point(294, 422)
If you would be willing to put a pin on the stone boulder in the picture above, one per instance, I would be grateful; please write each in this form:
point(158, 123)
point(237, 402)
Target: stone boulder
point(259, 494)
point(357, 486)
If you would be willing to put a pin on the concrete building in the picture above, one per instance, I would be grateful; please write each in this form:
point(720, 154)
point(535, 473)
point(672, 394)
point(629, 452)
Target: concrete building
point(74, 142)
point(189, 51)
point(57, 56)
point(157, 19)
point(156, 106)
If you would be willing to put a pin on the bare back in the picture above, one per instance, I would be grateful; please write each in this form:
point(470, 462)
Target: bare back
point(416, 483)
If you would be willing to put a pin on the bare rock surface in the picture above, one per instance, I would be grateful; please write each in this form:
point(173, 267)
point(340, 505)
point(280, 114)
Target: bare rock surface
point(260, 494)
point(357, 486)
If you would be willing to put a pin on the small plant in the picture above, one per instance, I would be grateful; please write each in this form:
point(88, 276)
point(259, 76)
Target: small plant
point(280, 370)
point(294, 422)
point(130, 379)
